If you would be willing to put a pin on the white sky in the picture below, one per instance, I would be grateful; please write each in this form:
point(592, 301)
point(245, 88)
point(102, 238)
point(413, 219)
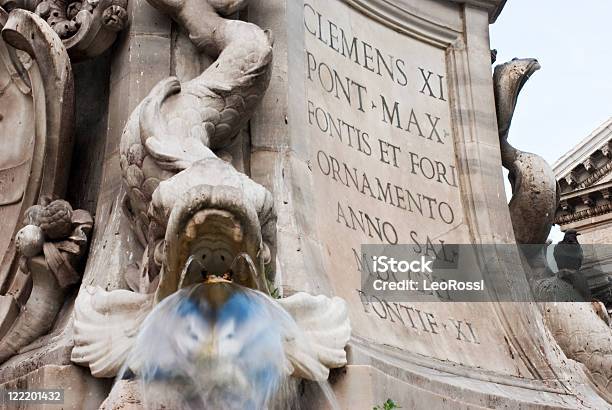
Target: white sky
point(572, 94)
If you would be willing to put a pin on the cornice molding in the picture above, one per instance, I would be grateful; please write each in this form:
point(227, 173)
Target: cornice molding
point(584, 196)
point(597, 140)
point(493, 7)
point(399, 17)
point(405, 17)
point(584, 214)
point(597, 175)
point(586, 190)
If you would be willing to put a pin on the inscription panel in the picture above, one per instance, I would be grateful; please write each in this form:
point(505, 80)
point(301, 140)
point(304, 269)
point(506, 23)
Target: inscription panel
point(386, 170)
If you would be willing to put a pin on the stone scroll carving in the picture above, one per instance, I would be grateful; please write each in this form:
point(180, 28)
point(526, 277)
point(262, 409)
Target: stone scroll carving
point(86, 27)
point(187, 204)
point(580, 332)
point(33, 124)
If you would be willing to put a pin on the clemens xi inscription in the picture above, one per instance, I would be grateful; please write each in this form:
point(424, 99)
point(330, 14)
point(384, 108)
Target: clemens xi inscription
point(384, 159)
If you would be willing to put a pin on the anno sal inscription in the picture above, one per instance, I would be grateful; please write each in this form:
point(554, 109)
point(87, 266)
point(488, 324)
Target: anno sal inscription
point(383, 155)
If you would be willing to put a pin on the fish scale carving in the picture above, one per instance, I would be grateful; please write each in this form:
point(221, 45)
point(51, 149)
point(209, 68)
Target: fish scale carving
point(179, 124)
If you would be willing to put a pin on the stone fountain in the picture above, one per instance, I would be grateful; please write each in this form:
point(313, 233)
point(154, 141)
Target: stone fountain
point(190, 183)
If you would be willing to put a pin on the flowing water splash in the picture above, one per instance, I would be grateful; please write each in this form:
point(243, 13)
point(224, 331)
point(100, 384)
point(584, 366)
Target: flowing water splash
point(214, 345)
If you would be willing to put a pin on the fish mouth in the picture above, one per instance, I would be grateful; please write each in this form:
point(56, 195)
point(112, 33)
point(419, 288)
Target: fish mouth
point(526, 67)
point(221, 254)
point(509, 79)
point(213, 235)
point(532, 66)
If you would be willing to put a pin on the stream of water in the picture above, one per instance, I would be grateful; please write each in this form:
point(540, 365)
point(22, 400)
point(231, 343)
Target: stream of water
point(215, 345)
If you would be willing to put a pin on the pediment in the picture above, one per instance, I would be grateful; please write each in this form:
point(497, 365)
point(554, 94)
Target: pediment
point(589, 163)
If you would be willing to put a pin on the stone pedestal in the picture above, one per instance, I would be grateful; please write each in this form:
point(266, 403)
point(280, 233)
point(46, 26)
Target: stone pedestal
point(391, 137)
point(379, 127)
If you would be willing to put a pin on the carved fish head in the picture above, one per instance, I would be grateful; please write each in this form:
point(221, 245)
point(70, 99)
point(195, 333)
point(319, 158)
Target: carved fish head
point(213, 234)
point(511, 76)
point(509, 79)
point(520, 69)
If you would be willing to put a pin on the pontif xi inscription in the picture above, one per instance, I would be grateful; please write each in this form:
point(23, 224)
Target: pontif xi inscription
point(377, 113)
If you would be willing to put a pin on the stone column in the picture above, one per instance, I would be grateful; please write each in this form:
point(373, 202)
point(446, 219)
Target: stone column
point(274, 160)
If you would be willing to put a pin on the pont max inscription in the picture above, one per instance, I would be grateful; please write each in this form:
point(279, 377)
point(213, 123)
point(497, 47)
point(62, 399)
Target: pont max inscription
point(379, 122)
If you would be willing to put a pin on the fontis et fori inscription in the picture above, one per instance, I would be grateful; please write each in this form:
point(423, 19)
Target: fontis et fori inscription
point(383, 157)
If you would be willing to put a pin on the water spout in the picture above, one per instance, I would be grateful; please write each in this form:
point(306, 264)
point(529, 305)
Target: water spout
point(242, 271)
point(215, 345)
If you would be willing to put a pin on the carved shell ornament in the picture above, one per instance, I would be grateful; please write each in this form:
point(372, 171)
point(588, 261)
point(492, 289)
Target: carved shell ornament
point(86, 27)
point(198, 218)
